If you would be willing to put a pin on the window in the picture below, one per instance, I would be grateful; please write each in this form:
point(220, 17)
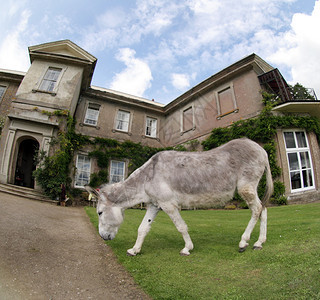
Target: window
point(117, 171)
point(151, 127)
point(226, 101)
point(2, 91)
point(83, 170)
point(50, 79)
point(122, 121)
point(299, 161)
point(92, 114)
point(187, 119)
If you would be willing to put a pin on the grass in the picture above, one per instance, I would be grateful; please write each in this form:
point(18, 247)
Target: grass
point(288, 267)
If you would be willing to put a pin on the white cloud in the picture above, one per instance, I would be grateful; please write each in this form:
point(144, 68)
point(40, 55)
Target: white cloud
point(116, 26)
point(180, 81)
point(13, 50)
point(300, 49)
point(136, 78)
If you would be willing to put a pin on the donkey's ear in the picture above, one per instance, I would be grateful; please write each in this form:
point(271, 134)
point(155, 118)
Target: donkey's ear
point(92, 191)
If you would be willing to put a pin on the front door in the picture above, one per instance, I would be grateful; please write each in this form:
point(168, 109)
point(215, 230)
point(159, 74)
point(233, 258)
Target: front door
point(26, 163)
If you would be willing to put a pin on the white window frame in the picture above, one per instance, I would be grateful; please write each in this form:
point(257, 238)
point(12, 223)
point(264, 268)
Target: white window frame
point(92, 114)
point(83, 169)
point(151, 127)
point(4, 89)
point(116, 174)
point(123, 123)
point(300, 169)
point(53, 91)
point(50, 79)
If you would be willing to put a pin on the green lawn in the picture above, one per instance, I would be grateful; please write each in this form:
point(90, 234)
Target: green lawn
point(288, 267)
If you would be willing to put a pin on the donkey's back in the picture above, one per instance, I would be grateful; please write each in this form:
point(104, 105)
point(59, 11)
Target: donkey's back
point(207, 178)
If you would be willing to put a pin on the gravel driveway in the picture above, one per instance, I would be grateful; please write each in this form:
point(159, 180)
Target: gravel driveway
point(53, 252)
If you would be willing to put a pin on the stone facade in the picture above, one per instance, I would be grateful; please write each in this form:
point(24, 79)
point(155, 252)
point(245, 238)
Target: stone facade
point(59, 78)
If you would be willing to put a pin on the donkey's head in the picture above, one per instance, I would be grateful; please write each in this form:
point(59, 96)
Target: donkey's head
point(110, 215)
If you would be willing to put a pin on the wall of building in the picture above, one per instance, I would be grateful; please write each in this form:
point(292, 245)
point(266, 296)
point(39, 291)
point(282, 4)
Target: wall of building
point(245, 102)
point(6, 101)
point(66, 93)
point(106, 126)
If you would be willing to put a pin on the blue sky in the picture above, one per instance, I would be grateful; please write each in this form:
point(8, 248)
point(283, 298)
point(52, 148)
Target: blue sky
point(158, 49)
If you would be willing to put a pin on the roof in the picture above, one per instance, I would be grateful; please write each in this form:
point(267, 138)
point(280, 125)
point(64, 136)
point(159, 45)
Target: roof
point(127, 96)
point(63, 48)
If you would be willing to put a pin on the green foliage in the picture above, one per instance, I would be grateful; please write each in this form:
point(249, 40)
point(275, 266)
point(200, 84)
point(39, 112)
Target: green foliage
point(52, 171)
point(300, 92)
point(96, 179)
point(288, 266)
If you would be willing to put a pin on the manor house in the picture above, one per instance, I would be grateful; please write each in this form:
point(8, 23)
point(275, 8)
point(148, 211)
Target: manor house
point(59, 78)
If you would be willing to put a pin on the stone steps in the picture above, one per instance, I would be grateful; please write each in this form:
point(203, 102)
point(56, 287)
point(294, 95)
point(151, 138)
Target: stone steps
point(25, 192)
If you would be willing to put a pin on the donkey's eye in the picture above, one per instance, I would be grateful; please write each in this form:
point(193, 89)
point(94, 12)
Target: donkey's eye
point(100, 213)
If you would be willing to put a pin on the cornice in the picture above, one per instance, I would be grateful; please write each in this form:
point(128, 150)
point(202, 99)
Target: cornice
point(123, 99)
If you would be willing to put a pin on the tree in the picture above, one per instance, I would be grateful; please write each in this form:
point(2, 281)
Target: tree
point(301, 92)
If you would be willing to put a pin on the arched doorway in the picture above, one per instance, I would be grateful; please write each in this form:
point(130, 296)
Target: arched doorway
point(26, 163)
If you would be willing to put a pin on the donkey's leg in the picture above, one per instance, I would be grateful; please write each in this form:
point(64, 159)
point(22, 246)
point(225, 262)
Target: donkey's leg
point(249, 194)
point(144, 228)
point(181, 226)
point(263, 230)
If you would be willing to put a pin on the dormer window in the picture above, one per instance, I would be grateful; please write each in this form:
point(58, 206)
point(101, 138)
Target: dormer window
point(50, 79)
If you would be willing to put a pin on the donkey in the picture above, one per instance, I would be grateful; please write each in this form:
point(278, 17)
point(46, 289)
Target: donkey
point(171, 179)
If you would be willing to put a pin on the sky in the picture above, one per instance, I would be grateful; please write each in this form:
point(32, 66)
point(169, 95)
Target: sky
point(159, 49)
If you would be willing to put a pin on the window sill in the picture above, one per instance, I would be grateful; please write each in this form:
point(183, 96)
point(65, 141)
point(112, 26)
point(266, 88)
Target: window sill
point(44, 92)
point(89, 125)
point(188, 130)
point(151, 137)
point(121, 131)
point(301, 191)
point(227, 113)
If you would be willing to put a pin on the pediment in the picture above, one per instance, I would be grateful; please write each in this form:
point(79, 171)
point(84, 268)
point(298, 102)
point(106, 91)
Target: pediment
point(64, 48)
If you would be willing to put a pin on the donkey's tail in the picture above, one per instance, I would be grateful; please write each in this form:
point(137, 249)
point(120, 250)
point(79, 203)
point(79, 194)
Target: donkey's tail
point(269, 186)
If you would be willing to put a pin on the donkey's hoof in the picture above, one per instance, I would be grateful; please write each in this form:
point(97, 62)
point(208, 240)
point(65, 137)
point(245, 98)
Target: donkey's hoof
point(257, 247)
point(184, 252)
point(242, 249)
point(131, 252)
